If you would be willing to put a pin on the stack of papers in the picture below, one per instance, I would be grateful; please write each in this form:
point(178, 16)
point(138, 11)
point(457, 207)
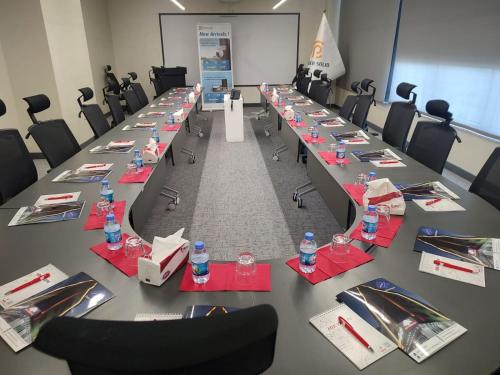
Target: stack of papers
point(57, 198)
point(438, 205)
point(332, 122)
point(358, 137)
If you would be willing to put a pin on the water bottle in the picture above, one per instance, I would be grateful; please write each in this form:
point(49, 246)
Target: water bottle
point(170, 118)
point(371, 177)
point(113, 233)
point(155, 135)
point(106, 191)
point(340, 155)
point(314, 134)
point(279, 100)
point(370, 223)
point(298, 117)
point(199, 263)
point(139, 163)
point(307, 257)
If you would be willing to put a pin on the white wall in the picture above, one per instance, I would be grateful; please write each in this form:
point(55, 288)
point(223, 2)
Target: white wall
point(136, 32)
point(470, 155)
point(10, 119)
point(70, 59)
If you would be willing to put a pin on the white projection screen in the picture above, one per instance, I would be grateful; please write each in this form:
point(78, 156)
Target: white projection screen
point(264, 46)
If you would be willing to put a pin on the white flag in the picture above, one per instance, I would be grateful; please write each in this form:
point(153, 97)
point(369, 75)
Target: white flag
point(325, 54)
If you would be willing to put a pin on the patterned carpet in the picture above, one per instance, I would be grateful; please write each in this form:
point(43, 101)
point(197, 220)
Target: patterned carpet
point(236, 198)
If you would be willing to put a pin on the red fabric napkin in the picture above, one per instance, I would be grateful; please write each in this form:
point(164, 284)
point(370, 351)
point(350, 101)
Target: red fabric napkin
point(385, 231)
point(356, 191)
point(117, 258)
point(331, 157)
point(223, 278)
point(327, 266)
point(170, 127)
point(161, 147)
point(308, 139)
point(187, 105)
point(294, 124)
point(136, 177)
point(97, 222)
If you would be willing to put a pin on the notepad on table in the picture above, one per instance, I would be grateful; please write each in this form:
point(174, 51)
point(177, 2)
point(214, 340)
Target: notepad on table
point(438, 205)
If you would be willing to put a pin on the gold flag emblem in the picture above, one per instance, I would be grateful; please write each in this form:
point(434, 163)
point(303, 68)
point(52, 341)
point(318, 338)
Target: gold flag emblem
point(317, 51)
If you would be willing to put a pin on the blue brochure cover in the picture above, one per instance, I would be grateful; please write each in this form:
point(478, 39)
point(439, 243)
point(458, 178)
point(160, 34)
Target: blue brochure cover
point(477, 250)
point(412, 323)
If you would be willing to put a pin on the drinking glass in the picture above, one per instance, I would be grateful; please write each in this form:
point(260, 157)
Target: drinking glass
point(339, 248)
point(246, 268)
point(131, 169)
point(332, 148)
point(361, 179)
point(384, 210)
point(103, 207)
point(134, 247)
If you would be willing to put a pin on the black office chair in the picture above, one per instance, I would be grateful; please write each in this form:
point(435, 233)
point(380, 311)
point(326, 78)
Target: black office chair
point(138, 89)
point(115, 108)
point(350, 102)
point(92, 112)
point(300, 68)
point(400, 117)
point(431, 141)
point(487, 182)
point(240, 342)
point(321, 90)
point(364, 103)
point(53, 137)
point(303, 82)
point(111, 80)
point(314, 82)
point(17, 170)
point(133, 104)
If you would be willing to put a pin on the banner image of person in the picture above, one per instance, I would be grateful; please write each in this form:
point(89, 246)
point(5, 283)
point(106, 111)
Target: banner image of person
point(325, 54)
point(214, 47)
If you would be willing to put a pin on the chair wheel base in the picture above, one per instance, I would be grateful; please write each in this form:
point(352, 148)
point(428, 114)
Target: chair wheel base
point(294, 197)
point(299, 202)
point(276, 158)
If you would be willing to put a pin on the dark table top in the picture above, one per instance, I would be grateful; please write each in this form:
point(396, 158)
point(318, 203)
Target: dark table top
point(300, 348)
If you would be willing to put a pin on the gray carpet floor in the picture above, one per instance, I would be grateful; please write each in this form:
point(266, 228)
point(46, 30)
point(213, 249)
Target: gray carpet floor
point(236, 198)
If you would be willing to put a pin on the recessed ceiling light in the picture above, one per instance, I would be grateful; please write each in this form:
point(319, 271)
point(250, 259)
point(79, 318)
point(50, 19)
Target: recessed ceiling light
point(278, 4)
point(179, 5)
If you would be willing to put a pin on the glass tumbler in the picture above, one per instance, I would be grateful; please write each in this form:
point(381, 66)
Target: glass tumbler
point(339, 248)
point(384, 210)
point(246, 268)
point(103, 207)
point(134, 247)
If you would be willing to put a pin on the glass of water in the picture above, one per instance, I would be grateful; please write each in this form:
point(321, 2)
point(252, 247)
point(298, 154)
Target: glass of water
point(131, 169)
point(103, 207)
point(332, 147)
point(134, 247)
point(361, 179)
point(339, 248)
point(246, 268)
point(384, 210)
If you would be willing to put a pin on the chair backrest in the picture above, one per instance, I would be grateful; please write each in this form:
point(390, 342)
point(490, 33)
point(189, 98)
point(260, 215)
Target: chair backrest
point(400, 117)
point(300, 68)
point(303, 82)
point(93, 113)
point(115, 108)
point(133, 104)
point(111, 80)
point(360, 114)
point(53, 137)
point(141, 94)
point(321, 90)
point(17, 170)
point(431, 141)
point(240, 342)
point(487, 182)
point(350, 102)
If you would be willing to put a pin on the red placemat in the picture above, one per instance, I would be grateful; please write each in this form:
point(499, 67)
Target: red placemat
point(385, 231)
point(327, 266)
point(356, 191)
point(223, 278)
point(308, 139)
point(136, 177)
point(162, 147)
point(331, 157)
point(170, 127)
point(294, 124)
point(97, 222)
point(187, 105)
point(117, 258)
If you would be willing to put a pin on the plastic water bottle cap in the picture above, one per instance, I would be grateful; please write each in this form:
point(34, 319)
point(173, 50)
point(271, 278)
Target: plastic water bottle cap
point(309, 236)
point(105, 182)
point(372, 174)
point(110, 217)
point(372, 207)
point(198, 245)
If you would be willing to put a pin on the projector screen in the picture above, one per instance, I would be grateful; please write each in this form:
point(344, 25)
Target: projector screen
point(264, 46)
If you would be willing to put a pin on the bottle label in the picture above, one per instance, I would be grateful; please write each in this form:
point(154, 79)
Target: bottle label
point(340, 154)
point(315, 134)
point(307, 259)
point(113, 237)
point(370, 227)
point(298, 119)
point(200, 269)
point(108, 197)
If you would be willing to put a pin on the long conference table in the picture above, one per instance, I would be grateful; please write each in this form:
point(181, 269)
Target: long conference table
point(300, 349)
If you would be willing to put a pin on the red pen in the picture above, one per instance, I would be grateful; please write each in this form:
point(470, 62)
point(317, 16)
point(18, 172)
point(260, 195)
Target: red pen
point(29, 283)
point(55, 198)
point(429, 203)
point(353, 332)
point(438, 262)
point(95, 166)
point(389, 162)
point(355, 140)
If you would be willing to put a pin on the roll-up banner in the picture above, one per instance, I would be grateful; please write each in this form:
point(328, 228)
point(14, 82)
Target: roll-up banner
point(216, 66)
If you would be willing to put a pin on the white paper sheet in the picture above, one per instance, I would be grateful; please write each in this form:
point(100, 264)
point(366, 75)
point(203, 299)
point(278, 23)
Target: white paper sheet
point(444, 205)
